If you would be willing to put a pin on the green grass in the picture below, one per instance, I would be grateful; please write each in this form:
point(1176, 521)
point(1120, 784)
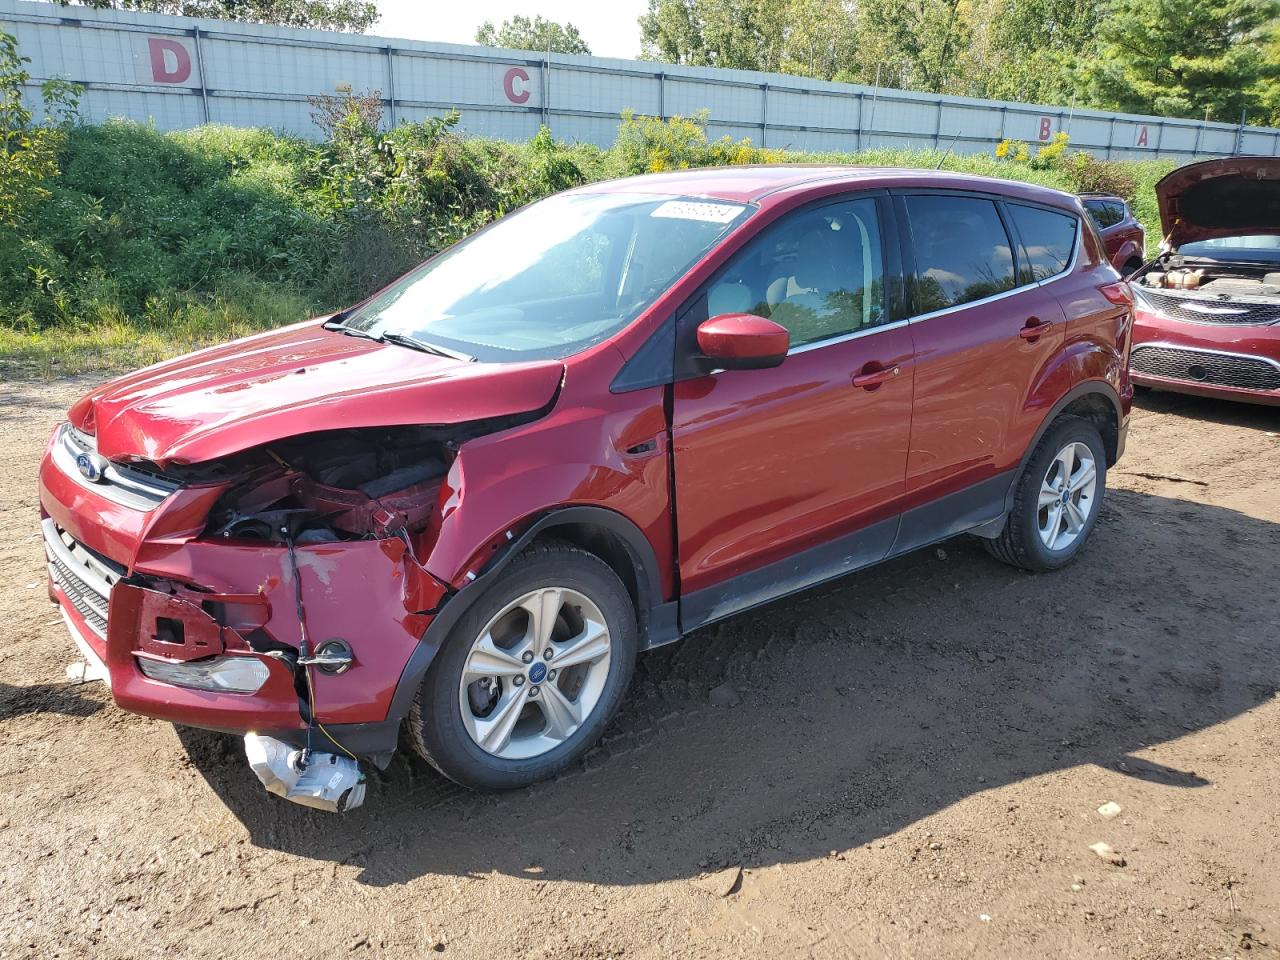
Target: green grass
point(115, 341)
point(153, 244)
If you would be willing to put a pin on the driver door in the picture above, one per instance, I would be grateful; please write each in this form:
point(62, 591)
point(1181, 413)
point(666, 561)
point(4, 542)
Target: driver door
point(792, 475)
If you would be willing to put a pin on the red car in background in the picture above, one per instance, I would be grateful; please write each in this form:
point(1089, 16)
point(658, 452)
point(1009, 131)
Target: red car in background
point(1207, 312)
point(463, 506)
point(1120, 231)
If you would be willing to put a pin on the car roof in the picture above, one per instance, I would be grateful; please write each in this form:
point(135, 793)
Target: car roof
point(755, 183)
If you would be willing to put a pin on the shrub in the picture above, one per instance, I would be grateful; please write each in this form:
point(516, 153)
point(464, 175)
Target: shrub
point(28, 150)
point(652, 145)
point(1087, 174)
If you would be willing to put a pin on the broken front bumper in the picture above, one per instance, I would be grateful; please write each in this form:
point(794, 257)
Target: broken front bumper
point(147, 604)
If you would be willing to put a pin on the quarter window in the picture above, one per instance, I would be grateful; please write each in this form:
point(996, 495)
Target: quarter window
point(819, 273)
point(1048, 238)
point(1105, 213)
point(962, 252)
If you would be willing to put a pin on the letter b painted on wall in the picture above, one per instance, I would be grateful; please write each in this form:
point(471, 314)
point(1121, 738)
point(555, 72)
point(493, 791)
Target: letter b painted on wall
point(1045, 132)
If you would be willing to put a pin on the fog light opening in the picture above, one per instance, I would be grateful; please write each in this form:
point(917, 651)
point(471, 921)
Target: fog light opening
point(217, 674)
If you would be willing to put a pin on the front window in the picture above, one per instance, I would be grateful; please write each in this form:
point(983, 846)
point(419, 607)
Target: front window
point(1256, 248)
point(553, 278)
point(819, 273)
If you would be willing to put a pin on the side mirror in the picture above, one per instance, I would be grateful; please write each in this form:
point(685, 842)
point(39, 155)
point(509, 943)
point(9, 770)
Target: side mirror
point(743, 341)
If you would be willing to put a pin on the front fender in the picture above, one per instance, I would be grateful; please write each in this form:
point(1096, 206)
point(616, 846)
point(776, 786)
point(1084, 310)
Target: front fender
point(616, 459)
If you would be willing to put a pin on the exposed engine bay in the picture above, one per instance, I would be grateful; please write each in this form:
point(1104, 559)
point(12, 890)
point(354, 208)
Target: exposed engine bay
point(336, 485)
point(1215, 279)
point(1198, 290)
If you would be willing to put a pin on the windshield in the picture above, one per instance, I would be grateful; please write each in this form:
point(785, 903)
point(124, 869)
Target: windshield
point(550, 279)
point(1255, 248)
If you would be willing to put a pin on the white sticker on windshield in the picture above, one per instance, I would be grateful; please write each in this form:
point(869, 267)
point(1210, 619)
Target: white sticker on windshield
point(697, 210)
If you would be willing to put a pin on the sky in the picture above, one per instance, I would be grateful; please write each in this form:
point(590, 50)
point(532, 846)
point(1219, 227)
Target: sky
point(608, 26)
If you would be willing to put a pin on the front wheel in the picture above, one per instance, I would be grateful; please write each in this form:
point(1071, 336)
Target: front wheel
point(531, 674)
point(1057, 499)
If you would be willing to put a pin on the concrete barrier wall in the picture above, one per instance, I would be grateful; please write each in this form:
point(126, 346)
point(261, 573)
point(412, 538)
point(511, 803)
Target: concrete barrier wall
point(178, 72)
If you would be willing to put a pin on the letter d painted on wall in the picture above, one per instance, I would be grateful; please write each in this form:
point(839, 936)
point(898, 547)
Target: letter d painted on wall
point(164, 60)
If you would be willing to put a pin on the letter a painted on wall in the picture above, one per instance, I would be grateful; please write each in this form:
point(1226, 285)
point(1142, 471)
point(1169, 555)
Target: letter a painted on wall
point(515, 84)
point(170, 62)
point(1141, 141)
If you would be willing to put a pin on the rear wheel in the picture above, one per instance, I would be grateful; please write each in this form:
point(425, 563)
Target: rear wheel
point(1057, 499)
point(531, 674)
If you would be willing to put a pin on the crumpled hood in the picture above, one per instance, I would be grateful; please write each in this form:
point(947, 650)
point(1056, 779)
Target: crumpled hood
point(297, 380)
point(1231, 197)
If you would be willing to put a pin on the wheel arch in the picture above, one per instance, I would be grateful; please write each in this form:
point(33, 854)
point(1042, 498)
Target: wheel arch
point(1094, 400)
point(599, 531)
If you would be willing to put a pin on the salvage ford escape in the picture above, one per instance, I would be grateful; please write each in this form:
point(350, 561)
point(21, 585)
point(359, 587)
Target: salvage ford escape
point(463, 506)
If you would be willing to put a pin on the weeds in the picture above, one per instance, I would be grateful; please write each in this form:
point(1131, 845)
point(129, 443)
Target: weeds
point(136, 245)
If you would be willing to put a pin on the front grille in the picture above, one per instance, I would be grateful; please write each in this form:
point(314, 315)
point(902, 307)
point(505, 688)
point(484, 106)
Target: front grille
point(119, 482)
point(85, 577)
point(1201, 366)
point(1207, 310)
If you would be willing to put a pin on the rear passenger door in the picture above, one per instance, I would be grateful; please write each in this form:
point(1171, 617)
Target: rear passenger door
point(983, 327)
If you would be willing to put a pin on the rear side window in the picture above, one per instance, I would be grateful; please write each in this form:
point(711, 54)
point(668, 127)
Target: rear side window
point(1105, 213)
point(962, 251)
point(1048, 238)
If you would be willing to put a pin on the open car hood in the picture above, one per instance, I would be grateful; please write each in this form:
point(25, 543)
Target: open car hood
point(297, 380)
point(1231, 197)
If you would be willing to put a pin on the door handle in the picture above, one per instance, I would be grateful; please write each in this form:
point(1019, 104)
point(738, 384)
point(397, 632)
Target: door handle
point(869, 381)
point(1035, 328)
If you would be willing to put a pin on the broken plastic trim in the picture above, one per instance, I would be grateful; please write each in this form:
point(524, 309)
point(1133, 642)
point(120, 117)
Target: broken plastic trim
point(322, 781)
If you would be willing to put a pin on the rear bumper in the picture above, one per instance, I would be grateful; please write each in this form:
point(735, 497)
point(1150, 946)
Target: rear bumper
point(1229, 362)
point(136, 584)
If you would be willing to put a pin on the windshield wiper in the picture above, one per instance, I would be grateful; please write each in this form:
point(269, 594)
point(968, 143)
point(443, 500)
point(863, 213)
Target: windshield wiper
point(404, 340)
point(349, 331)
point(401, 339)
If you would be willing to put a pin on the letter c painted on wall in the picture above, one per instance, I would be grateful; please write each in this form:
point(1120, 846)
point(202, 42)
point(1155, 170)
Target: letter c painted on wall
point(160, 71)
point(509, 79)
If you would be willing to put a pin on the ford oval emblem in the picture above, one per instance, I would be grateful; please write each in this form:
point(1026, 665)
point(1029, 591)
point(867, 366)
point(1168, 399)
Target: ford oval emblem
point(91, 466)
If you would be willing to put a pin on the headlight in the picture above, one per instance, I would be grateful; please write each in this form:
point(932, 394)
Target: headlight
point(220, 674)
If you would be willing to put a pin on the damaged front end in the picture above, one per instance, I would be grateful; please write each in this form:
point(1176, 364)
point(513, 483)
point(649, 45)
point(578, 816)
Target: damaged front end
point(277, 593)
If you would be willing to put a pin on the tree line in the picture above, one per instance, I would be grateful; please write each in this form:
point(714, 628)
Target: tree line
point(1184, 58)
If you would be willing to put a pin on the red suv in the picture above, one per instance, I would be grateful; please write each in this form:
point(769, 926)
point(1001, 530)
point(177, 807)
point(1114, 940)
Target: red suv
point(465, 505)
point(1121, 232)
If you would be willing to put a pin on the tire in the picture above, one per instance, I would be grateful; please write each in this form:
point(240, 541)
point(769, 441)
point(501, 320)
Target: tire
point(450, 719)
point(1022, 543)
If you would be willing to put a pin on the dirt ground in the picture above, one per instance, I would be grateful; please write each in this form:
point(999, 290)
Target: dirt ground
point(914, 768)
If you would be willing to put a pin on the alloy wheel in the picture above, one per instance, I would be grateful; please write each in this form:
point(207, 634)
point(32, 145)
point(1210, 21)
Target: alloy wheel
point(535, 673)
point(1067, 496)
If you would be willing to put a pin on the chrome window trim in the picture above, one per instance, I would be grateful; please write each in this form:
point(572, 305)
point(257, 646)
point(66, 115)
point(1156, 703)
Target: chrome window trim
point(1165, 345)
point(119, 484)
point(845, 337)
point(1067, 271)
